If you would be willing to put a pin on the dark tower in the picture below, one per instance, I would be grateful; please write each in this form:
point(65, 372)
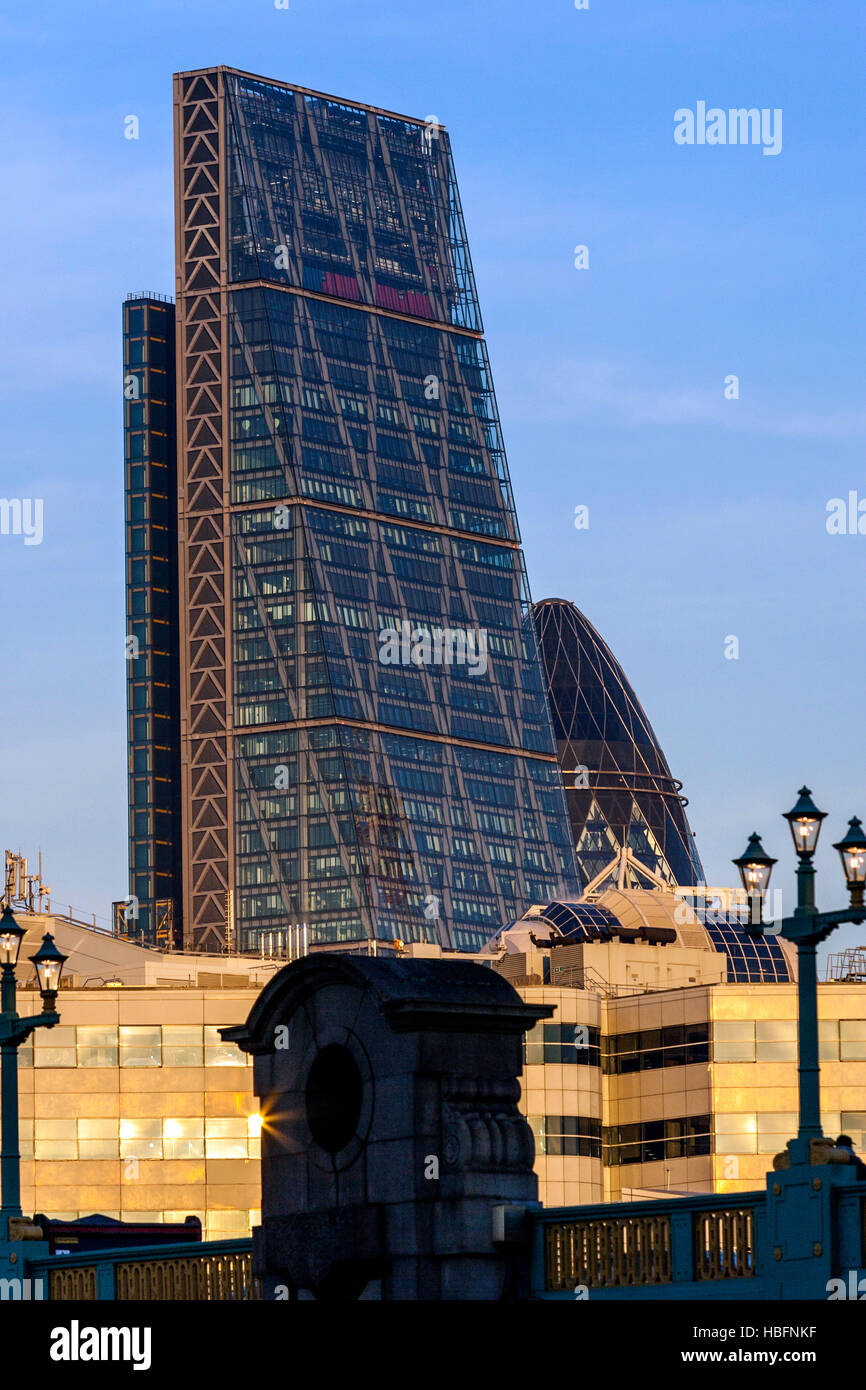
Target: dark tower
point(152, 913)
point(626, 810)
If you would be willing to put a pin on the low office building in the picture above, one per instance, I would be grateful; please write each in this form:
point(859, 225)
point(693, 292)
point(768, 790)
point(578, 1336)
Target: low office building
point(133, 1106)
point(669, 1066)
point(671, 1063)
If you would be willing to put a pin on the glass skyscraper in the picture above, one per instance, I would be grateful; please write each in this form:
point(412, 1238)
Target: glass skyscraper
point(627, 814)
point(365, 741)
point(152, 911)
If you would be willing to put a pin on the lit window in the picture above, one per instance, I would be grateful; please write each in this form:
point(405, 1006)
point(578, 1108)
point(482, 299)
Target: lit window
point(254, 1131)
point(828, 1039)
point(55, 1050)
point(776, 1040)
point(226, 1137)
point(734, 1041)
point(55, 1139)
point(852, 1123)
point(774, 1131)
point(852, 1039)
point(182, 1045)
point(97, 1047)
point(140, 1046)
point(737, 1134)
point(227, 1225)
point(98, 1139)
point(183, 1138)
point(141, 1138)
point(221, 1054)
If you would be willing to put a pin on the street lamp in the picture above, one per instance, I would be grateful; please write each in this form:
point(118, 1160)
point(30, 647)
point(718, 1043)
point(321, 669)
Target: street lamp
point(48, 963)
point(852, 852)
point(806, 928)
point(755, 866)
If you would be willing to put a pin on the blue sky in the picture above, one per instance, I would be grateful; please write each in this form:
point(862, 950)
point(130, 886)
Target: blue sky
point(707, 515)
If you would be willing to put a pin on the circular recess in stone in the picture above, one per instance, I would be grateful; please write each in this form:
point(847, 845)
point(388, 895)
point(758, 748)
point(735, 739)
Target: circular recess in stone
point(334, 1095)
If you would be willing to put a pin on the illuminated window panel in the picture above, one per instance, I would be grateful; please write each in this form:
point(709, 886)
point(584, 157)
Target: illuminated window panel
point(140, 1045)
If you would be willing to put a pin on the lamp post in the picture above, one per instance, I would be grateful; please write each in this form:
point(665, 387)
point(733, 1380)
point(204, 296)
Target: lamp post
point(14, 1030)
point(806, 928)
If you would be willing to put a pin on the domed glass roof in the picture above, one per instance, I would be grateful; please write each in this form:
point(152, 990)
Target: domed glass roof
point(626, 811)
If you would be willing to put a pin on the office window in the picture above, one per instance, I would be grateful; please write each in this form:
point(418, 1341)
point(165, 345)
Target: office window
point(226, 1225)
point(182, 1045)
point(574, 1043)
point(183, 1138)
point(55, 1139)
point(568, 1135)
point(96, 1047)
point(180, 1217)
point(140, 1138)
point(653, 1048)
point(852, 1039)
point(221, 1054)
point(852, 1123)
point(776, 1040)
point(140, 1045)
point(254, 1132)
point(54, 1047)
point(737, 1134)
point(226, 1137)
point(775, 1129)
point(98, 1138)
point(655, 1140)
point(828, 1039)
point(25, 1137)
point(734, 1041)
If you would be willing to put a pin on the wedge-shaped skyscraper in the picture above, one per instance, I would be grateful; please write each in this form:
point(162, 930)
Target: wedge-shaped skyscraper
point(366, 746)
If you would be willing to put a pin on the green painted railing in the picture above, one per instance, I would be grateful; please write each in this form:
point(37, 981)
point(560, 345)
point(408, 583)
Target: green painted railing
point(218, 1270)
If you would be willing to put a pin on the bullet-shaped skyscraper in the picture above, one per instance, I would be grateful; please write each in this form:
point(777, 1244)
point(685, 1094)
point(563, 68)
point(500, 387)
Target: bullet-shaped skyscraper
point(365, 744)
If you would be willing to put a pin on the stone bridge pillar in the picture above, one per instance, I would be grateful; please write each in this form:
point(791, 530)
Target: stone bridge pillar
point(391, 1131)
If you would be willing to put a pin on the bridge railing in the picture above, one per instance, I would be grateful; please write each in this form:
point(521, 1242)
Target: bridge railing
point(712, 1244)
point(214, 1270)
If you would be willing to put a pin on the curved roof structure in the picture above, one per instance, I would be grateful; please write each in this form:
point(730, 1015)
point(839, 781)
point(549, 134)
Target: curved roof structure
point(626, 811)
point(655, 918)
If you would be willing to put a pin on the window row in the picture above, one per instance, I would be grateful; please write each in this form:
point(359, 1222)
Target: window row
point(775, 1040)
point(655, 1140)
point(675, 1046)
point(566, 1135)
point(235, 1136)
point(575, 1043)
point(768, 1133)
point(134, 1045)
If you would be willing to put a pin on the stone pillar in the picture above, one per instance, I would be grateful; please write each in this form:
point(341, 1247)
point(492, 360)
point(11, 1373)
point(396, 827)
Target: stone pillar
point(389, 1090)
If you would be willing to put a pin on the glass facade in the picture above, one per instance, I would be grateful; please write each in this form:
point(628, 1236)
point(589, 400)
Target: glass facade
point(393, 773)
point(152, 913)
point(621, 795)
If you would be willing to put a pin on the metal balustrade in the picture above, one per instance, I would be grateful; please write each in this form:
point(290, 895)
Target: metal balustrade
point(670, 1247)
point(725, 1243)
point(608, 1253)
point(219, 1270)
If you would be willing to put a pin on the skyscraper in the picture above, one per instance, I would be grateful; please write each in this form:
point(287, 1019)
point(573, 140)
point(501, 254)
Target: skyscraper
point(152, 910)
point(627, 815)
point(365, 741)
